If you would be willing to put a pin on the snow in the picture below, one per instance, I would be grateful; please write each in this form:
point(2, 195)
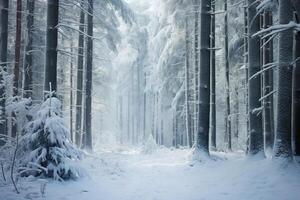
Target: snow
point(155, 41)
point(55, 153)
point(126, 173)
point(150, 145)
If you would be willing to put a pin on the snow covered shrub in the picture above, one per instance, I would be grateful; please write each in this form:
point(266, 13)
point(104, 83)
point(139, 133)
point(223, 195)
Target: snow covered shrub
point(21, 107)
point(150, 145)
point(45, 145)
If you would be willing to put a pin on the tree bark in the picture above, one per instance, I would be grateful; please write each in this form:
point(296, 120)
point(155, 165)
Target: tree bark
point(128, 117)
point(202, 143)
point(255, 119)
point(237, 108)
point(213, 80)
point(51, 47)
point(121, 119)
point(268, 117)
point(3, 62)
point(227, 71)
point(187, 90)
point(138, 99)
point(89, 76)
point(131, 104)
point(14, 126)
point(78, 125)
point(296, 98)
point(28, 60)
point(144, 108)
point(246, 58)
point(17, 47)
point(196, 63)
point(282, 147)
point(71, 94)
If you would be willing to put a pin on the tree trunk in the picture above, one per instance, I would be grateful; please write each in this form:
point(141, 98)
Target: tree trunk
point(71, 94)
point(14, 126)
point(156, 118)
point(132, 103)
point(121, 119)
point(296, 97)
point(89, 76)
point(145, 109)
point(213, 80)
point(268, 87)
point(282, 147)
point(204, 80)
point(17, 47)
point(255, 119)
point(162, 131)
point(138, 99)
point(227, 71)
point(51, 47)
point(3, 62)
point(83, 135)
point(296, 86)
point(246, 58)
point(177, 136)
point(128, 117)
point(187, 95)
point(27, 88)
point(78, 125)
point(196, 63)
point(173, 130)
point(237, 109)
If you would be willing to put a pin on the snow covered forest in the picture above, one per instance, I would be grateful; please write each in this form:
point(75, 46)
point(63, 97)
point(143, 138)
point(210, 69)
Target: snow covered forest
point(150, 99)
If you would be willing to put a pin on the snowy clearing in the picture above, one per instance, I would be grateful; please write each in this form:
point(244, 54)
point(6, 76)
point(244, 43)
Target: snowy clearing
point(127, 174)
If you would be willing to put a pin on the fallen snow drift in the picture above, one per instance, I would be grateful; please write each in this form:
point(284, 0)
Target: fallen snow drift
point(167, 174)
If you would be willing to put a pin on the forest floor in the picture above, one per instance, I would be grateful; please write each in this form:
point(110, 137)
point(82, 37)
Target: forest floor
point(124, 173)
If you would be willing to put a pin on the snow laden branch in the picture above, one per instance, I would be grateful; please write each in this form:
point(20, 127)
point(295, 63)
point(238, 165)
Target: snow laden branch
point(75, 29)
point(265, 68)
point(277, 29)
point(263, 5)
point(266, 5)
point(271, 66)
point(270, 33)
point(267, 95)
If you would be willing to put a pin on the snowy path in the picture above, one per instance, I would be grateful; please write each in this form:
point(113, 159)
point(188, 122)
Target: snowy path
point(166, 174)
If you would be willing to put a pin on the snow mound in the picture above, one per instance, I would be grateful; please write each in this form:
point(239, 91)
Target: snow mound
point(150, 146)
point(197, 156)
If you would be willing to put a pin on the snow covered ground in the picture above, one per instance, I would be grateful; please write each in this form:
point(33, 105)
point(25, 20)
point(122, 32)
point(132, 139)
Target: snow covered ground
point(124, 173)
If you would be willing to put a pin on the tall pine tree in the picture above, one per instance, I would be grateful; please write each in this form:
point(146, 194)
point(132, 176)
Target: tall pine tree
point(3, 62)
point(202, 141)
point(254, 86)
point(89, 76)
point(282, 147)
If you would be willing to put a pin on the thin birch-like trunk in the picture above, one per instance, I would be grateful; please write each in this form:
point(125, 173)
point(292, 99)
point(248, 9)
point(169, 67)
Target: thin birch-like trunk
point(187, 90)
point(227, 71)
point(79, 90)
point(28, 60)
point(213, 80)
